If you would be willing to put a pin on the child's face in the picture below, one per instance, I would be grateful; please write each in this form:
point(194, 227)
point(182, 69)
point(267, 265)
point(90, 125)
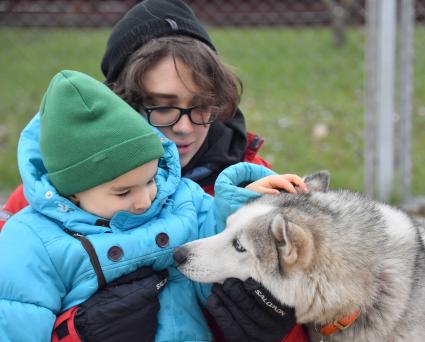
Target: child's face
point(133, 191)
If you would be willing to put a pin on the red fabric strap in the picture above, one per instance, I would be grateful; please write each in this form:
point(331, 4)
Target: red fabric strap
point(297, 334)
point(70, 334)
point(254, 143)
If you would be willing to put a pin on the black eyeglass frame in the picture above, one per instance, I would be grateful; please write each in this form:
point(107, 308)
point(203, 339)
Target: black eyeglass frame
point(183, 111)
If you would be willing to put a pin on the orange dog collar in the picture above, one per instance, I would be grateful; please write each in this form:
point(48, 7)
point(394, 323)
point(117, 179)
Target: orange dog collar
point(340, 324)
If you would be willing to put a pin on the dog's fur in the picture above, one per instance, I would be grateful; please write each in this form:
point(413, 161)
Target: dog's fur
point(327, 254)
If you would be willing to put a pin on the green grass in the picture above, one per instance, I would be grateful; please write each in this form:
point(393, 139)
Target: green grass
point(301, 80)
point(29, 59)
point(294, 79)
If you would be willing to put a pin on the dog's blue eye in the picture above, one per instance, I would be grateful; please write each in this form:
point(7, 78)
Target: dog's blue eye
point(238, 246)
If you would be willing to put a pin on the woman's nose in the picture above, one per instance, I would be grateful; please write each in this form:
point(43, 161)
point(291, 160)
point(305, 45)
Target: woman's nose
point(184, 125)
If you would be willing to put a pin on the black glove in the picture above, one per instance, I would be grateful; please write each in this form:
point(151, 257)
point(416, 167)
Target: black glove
point(125, 310)
point(245, 311)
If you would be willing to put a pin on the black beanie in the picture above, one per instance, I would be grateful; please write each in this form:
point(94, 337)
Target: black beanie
point(145, 21)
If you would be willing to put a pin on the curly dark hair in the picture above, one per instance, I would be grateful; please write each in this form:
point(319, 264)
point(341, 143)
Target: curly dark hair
point(219, 86)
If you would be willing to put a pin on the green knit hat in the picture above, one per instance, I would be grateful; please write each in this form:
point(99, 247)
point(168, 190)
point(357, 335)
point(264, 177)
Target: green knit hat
point(89, 135)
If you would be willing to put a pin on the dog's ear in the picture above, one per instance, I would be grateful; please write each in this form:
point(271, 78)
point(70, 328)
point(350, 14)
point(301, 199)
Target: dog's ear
point(318, 181)
point(295, 244)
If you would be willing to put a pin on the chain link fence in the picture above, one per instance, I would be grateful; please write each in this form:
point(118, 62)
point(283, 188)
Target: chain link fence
point(302, 63)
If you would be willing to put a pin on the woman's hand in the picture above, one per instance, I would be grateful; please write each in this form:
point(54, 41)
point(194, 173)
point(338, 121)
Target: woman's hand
point(272, 184)
point(246, 311)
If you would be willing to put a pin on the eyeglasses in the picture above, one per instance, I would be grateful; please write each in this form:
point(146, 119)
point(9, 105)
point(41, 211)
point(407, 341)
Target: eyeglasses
point(166, 116)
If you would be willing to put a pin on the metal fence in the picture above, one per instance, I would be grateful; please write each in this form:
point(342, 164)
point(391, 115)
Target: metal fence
point(215, 12)
point(303, 64)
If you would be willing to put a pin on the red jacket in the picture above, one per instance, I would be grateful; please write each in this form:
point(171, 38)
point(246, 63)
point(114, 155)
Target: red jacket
point(17, 201)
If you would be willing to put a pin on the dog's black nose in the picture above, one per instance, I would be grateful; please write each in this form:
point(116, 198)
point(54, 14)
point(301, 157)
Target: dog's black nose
point(180, 255)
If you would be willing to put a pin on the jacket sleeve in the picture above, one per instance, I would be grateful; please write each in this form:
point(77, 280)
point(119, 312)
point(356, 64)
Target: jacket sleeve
point(230, 191)
point(30, 288)
point(230, 194)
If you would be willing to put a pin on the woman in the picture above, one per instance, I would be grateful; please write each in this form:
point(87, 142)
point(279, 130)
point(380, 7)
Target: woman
point(163, 63)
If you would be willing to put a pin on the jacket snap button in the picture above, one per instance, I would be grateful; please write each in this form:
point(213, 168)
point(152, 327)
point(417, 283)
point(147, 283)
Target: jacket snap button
point(115, 253)
point(162, 240)
point(48, 195)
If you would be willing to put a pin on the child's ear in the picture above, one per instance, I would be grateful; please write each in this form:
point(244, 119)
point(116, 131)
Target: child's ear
point(318, 181)
point(74, 199)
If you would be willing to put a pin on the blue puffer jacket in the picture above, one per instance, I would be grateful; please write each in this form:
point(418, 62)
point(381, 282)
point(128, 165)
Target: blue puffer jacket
point(44, 271)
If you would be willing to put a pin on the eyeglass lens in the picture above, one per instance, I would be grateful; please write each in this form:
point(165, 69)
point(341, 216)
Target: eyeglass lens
point(167, 116)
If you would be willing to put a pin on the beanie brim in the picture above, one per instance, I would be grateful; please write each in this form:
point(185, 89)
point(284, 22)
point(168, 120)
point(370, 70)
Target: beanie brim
point(148, 20)
point(116, 55)
point(107, 165)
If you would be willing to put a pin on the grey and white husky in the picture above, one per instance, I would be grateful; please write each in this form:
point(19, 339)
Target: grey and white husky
point(331, 255)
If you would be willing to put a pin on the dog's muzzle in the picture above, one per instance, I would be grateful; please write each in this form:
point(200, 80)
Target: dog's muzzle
point(180, 255)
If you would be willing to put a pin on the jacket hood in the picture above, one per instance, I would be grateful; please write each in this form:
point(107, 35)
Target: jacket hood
point(43, 197)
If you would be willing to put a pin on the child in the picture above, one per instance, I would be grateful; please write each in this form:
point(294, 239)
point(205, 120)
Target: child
point(106, 199)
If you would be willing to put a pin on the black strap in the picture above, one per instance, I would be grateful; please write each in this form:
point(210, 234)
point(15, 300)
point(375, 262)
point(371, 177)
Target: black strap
point(92, 255)
point(62, 330)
